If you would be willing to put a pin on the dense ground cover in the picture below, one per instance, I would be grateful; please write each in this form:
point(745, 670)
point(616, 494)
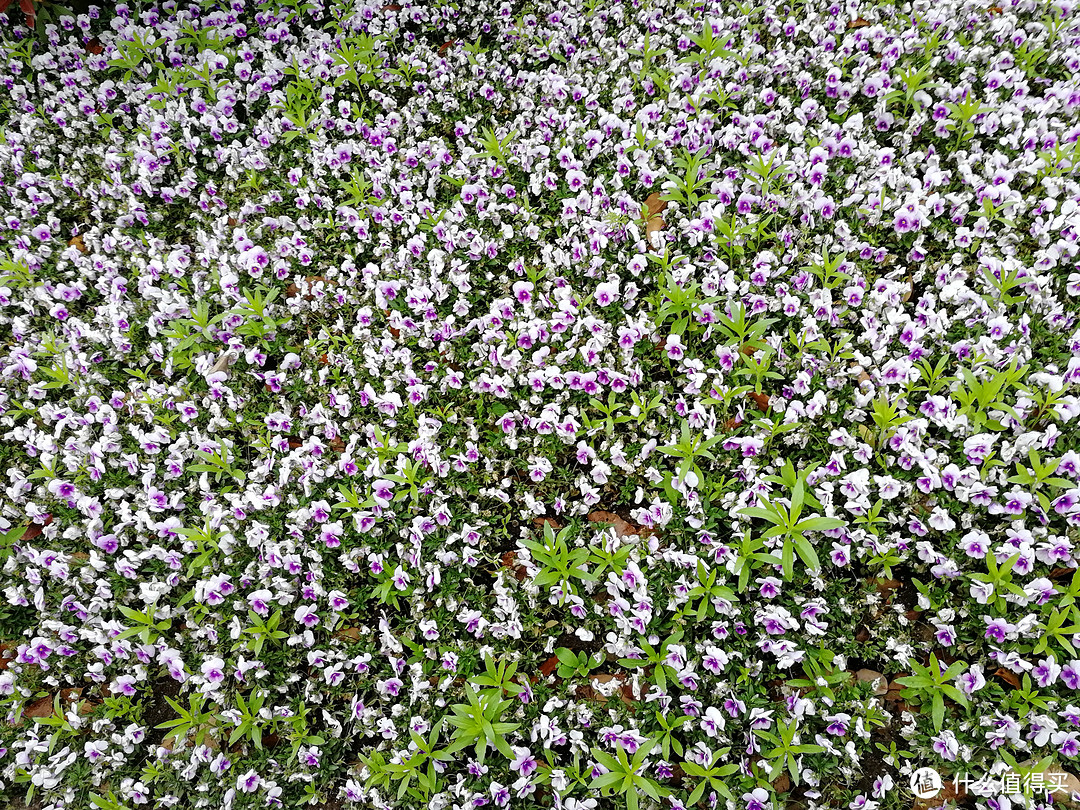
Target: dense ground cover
point(529, 404)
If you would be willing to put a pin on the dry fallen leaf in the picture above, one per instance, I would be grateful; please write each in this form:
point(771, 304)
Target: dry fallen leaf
point(860, 374)
point(95, 47)
point(292, 290)
point(622, 527)
point(654, 223)
point(42, 707)
point(35, 528)
point(222, 363)
point(509, 560)
point(870, 676)
point(446, 46)
point(1008, 676)
point(77, 242)
point(655, 204)
point(893, 692)
point(858, 22)
point(761, 401)
point(549, 666)
point(886, 586)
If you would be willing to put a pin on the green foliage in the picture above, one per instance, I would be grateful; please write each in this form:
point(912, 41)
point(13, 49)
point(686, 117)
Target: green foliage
point(655, 657)
point(786, 750)
point(999, 578)
point(665, 734)
point(688, 187)
point(822, 673)
point(933, 378)
point(979, 396)
point(15, 274)
point(744, 330)
point(258, 323)
point(758, 368)
point(579, 665)
point(608, 411)
point(8, 539)
point(300, 103)
point(706, 593)
point(646, 53)
point(1070, 596)
point(419, 766)
point(690, 448)
point(827, 270)
point(479, 724)
point(194, 718)
point(148, 629)
point(608, 556)
point(261, 631)
point(411, 475)
point(679, 303)
point(1059, 161)
point(251, 723)
point(206, 545)
point(1039, 476)
point(912, 80)
point(711, 46)
point(1026, 699)
point(498, 677)
point(107, 802)
point(299, 730)
point(496, 148)
point(735, 235)
point(962, 117)
point(559, 565)
point(888, 415)
point(711, 776)
point(134, 52)
point(748, 557)
point(60, 721)
point(1055, 631)
point(932, 684)
point(626, 777)
point(789, 525)
point(768, 173)
point(643, 407)
point(359, 57)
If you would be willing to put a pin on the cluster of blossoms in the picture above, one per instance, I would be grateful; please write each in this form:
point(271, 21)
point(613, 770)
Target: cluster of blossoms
point(533, 404)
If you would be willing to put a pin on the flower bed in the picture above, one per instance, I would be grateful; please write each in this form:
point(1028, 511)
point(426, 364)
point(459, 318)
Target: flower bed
point(529, 404)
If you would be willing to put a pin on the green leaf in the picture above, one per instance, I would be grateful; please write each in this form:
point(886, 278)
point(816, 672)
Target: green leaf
point(764, 514)
point(819, 524)
point(605, 780)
